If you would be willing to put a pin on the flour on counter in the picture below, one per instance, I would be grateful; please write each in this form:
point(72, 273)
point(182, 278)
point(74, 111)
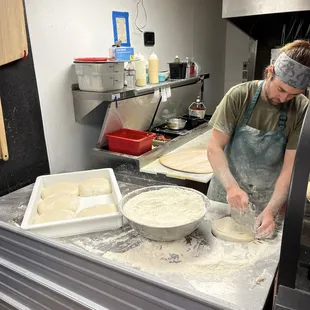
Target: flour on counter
point(216, 289)
point(167, 207)
point(261, 278)
point(198, 264)
point(197, 259)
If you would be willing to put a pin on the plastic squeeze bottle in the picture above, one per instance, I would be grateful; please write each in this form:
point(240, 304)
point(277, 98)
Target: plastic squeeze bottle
point(153, 69)
point(140, 67)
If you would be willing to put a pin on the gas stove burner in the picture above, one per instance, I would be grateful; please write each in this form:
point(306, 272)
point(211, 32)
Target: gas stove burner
point(164, 129)
point(193, 121)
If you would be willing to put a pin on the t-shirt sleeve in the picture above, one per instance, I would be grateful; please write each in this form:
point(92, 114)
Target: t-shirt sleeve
point(293, 137)
point(225, 117)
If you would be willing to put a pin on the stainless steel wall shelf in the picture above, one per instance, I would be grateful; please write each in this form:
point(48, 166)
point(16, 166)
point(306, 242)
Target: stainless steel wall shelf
point(86, 101)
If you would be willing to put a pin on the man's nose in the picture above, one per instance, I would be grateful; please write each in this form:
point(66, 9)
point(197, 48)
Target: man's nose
point(284, 97)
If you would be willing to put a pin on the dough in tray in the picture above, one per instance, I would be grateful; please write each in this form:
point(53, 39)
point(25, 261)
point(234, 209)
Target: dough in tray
point(229, 230)
point(95, 187)
point(59, 202)
point(54, 216)
point(98, 210)
point(60, 188)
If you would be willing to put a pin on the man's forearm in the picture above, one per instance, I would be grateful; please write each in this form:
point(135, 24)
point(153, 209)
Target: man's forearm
point(280, 193)
point(282, 185)
point(220, 167)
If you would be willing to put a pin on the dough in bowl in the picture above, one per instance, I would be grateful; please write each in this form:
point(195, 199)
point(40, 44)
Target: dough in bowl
point(59, 202)
point(98, 210)
point(60, 188)
point(166, 207)
point(229, 230)
point(95, 187)
point(54, 216)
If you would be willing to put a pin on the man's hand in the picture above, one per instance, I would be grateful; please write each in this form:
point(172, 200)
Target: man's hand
point(237, 198)
point(265, 224)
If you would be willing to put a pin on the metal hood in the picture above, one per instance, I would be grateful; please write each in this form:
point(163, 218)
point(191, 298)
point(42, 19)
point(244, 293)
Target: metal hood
point(266, 20)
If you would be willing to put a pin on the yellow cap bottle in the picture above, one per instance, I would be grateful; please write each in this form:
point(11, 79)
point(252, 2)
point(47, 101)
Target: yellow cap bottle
point(153, 69)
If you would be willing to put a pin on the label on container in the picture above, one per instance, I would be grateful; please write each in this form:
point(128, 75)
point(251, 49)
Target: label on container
point(116, 96)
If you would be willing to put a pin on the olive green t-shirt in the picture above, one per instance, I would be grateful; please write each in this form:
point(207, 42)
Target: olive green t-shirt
point(229, 113)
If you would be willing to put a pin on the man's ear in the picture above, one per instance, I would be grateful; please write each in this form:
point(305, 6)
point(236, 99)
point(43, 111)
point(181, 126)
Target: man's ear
point(271, 72)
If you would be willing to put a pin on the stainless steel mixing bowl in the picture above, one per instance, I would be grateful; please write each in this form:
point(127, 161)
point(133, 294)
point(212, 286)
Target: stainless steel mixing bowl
point(163, 233)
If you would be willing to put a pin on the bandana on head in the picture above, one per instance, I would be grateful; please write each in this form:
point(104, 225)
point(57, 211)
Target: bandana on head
point(292, 72)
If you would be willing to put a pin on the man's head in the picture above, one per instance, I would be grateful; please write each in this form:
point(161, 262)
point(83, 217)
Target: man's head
point(290, 75)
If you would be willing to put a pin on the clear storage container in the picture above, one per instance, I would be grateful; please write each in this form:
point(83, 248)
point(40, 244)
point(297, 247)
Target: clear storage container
point(103, 76)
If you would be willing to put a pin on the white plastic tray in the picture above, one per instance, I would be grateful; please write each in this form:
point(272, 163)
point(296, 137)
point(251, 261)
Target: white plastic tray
point(79, 225)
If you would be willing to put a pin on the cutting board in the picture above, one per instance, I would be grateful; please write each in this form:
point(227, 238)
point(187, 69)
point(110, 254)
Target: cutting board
point(13, 37)
point(188, 160)
point(4, 154)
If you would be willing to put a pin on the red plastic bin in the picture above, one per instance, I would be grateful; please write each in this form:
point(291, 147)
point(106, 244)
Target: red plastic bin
point(129, 141)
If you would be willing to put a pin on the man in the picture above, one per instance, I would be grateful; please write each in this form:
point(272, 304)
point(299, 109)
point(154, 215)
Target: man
point(255, 135)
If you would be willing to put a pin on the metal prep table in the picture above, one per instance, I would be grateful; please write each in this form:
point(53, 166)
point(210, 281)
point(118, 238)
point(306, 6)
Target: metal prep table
point(119, 269)
point(198, 272)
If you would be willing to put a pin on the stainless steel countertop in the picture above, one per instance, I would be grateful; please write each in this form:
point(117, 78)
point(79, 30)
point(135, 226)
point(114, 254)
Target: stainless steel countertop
point(234, 276)
point(199, 142)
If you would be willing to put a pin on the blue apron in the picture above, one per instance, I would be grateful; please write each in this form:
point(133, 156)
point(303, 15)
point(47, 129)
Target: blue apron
point(255, 158)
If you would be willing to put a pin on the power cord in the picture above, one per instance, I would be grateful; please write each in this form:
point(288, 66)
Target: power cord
point(142, 27)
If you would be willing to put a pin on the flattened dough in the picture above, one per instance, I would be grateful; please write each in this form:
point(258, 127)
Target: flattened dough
point(188, 160)
point(54, 216)
point(59, 202)
point(98, 210)
point(95, 187)
point(60, 188)
point(227, 229)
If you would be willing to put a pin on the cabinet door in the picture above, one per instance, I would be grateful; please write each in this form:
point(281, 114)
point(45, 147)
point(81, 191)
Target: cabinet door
point(13, 39)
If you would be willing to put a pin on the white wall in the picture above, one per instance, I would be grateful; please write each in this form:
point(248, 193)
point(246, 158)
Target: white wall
point(209, 48)
point(62, 30)
point(237, 50)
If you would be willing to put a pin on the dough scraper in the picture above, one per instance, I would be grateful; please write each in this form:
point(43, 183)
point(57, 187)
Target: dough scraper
point(245, 217)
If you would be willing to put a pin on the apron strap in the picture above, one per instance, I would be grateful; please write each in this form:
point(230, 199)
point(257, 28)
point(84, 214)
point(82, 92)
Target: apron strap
point(251, 107)
point(282, 117)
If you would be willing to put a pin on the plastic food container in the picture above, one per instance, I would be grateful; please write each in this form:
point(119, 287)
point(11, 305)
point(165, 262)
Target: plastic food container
point(100, 76)
point(177, 70)
point(129, 141)
point(75, 226)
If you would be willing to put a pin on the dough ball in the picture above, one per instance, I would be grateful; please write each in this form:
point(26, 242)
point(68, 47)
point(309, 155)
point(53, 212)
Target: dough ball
point(59, 202)
point(229, 230)
point(54, 216)
point(95, 187)
point(308, 191)
point(60, 188)
point(98, 210)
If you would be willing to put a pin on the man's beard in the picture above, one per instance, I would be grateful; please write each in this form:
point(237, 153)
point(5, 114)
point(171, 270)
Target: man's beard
point(266, 93)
